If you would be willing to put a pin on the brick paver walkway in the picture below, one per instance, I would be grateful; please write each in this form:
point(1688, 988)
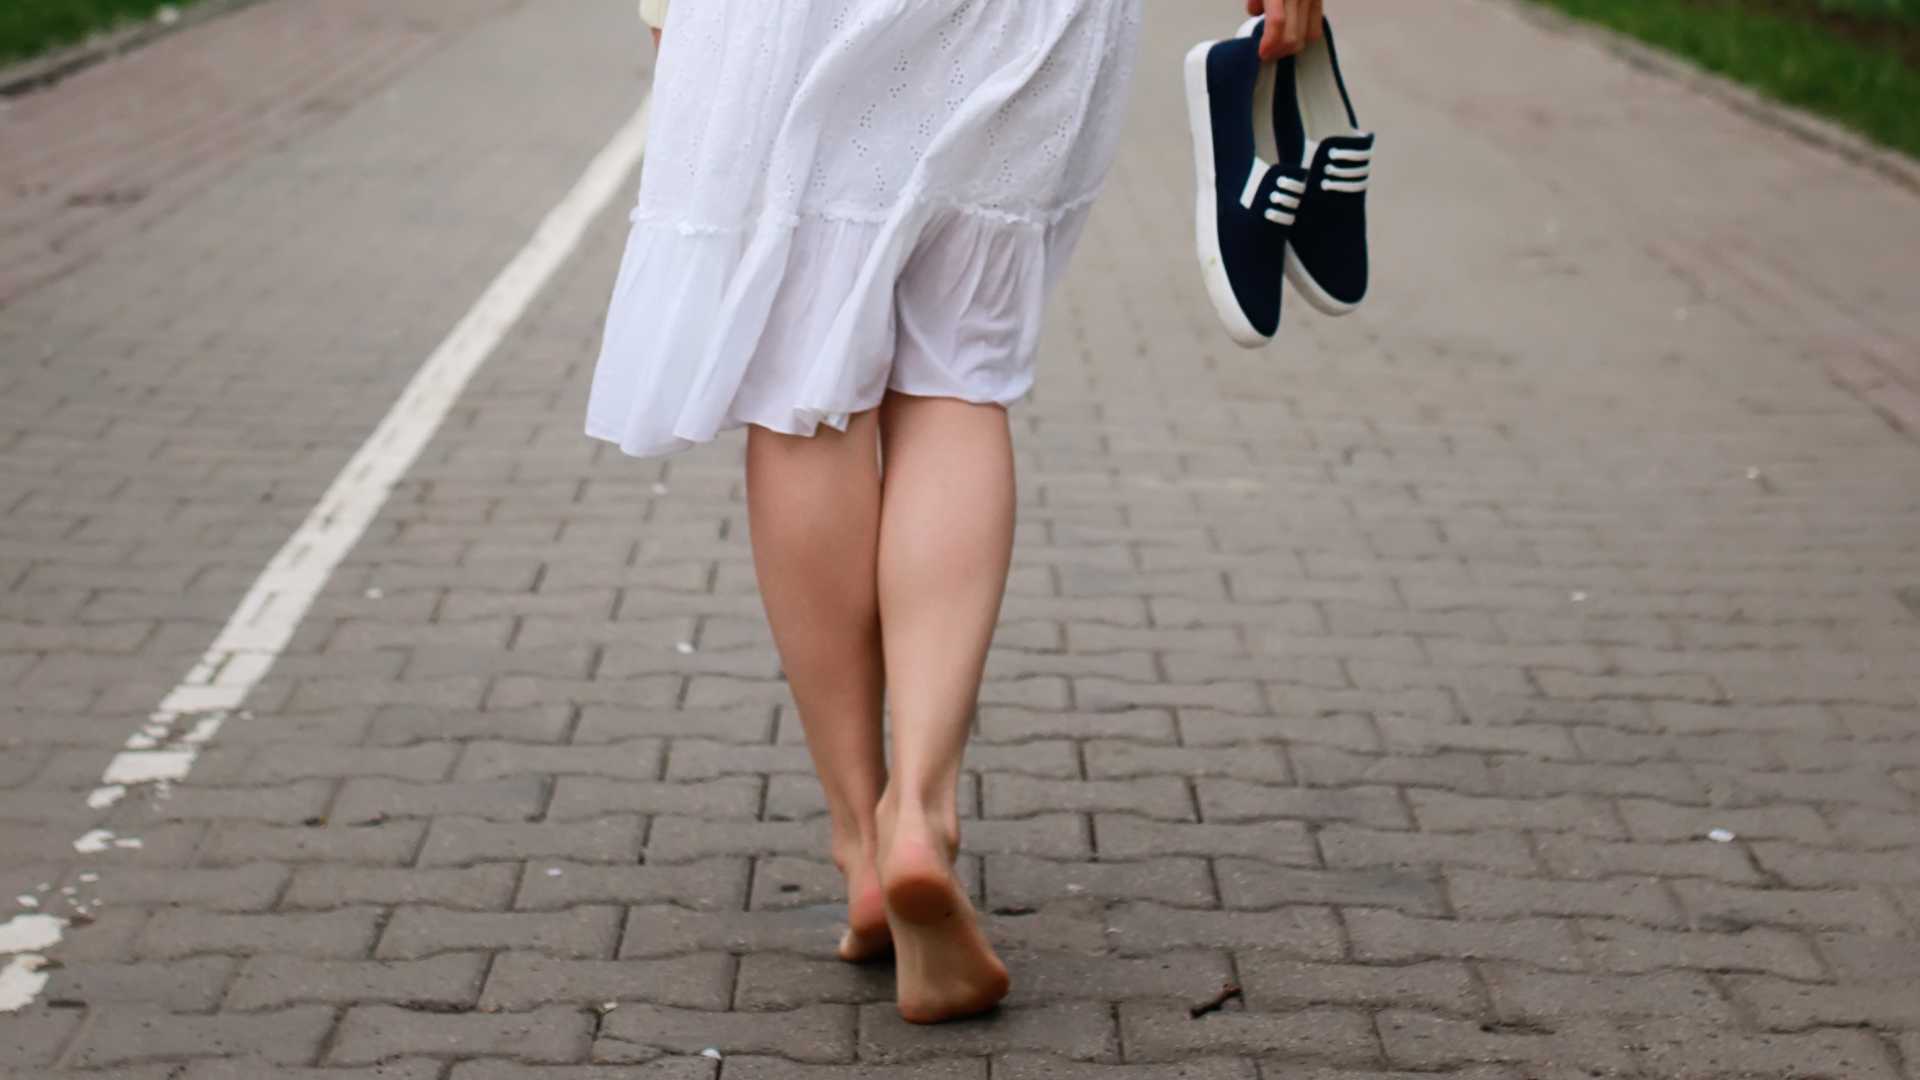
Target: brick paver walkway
point(1398, 675)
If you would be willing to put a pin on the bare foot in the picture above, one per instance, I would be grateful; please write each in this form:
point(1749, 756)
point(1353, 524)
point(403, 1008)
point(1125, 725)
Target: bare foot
point(945, 967)
point(867, 937)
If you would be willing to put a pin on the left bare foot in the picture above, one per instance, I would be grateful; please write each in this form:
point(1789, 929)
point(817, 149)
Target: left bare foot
point(868, 936)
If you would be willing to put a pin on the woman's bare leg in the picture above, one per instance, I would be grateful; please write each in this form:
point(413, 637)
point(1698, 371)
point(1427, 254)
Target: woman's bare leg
point(813, 507)
point(946, 542)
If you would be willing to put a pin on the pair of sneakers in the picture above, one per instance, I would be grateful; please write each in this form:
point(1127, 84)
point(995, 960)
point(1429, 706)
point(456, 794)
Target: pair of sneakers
point(1283, 167)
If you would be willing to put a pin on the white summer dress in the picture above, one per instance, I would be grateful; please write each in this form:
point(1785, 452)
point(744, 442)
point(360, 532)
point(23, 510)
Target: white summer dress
point(843, 197)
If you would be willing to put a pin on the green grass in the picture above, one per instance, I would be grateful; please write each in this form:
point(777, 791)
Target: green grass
point(1856, 61)
point(30, 27)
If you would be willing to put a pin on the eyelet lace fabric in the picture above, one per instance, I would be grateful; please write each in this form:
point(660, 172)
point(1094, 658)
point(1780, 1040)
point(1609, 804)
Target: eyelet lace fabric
point(843, 196)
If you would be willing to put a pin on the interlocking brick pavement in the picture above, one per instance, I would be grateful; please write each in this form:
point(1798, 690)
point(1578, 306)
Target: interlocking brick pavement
point(1398, 674)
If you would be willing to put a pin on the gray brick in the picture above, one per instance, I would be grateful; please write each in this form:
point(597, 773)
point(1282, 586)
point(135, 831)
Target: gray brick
point(1275, 983)
point(1233, 800)
point(707, 884)
point(176, 932)
point(1349, 847)
point(772, 981)
point(1422, 1041)
point(190, 985)
point(253, 887)
point(423, 931)
point(817, 1033)
point(1046, 1067)
point(1618, 946)
point(1155, 1031)
point(1390, 937)
point(1113, 760)
point(244, 1069)
point(1794, 1006)
point(1254, 885)
point(511, 799)
point(673, 1068)
point(1650, 820)
point(1684, 1047)
point(773, 1068)
point(35, 1036)
point(391, 843)
point(374, 1033)
point(666, 930)
point(1440, 811)
point(1481, 895)
point(1522, 993)
point(522, 981)
point(1125, 836)
point(579, 797)
point(1714, 906)
point(120, 1034)
point(632, 759)
point(1311, 933)
point(1081, 1031)
point(1020, 881)
point(271, 982)
point(488, 887)
point(458, 841)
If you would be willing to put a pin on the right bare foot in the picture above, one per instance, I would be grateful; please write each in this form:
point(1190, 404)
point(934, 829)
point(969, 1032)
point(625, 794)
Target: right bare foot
point(945, 967)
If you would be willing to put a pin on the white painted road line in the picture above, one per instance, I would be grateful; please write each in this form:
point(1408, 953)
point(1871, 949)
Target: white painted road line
point(259, 629)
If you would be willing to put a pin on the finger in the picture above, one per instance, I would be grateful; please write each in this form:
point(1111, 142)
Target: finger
point(1296, 27)
point(1273, 40)
point(1316, 21)
point(1256, 7)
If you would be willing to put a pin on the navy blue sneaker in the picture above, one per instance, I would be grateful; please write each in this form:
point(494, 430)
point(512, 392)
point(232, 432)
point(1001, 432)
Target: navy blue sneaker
point(1330, 160)
point(1246, 199)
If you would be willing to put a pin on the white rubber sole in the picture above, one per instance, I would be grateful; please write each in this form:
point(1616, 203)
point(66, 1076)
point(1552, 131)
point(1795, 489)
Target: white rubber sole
point(1310, 290)
point(1213, 268)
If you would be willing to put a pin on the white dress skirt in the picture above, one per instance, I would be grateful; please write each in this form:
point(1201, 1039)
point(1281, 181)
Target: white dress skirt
point(842, 197)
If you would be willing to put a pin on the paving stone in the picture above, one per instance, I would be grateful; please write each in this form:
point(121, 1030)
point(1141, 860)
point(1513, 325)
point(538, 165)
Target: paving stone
point(1048, 1067)
point(391, 843)
point(1163, 798)
point(1424, 1041)
point(420, 931)
point(1161, 1032)
point(1624, 947)
point(1126, 836)
point(451, 981)
point(676, 1068)
point(126, 1033)
point(1252, 885)
point(178, 932)
point(711, 884)
point(817, 1033)
point(1013, 880)
point(577, 798)
point(1387, 936)
point(1079, 1031)
point(524, 981)
point(1233, 800)
point(771, 1068)
point(482, 888)
point(1481, 895)
point(1521, 994)
point(505, 800)
point(396, 1069)
point(1678, 1047)
point(1308, 932)
point(460, 841)
point(1275, 983)
point(190, 985)
point(374, 1033)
